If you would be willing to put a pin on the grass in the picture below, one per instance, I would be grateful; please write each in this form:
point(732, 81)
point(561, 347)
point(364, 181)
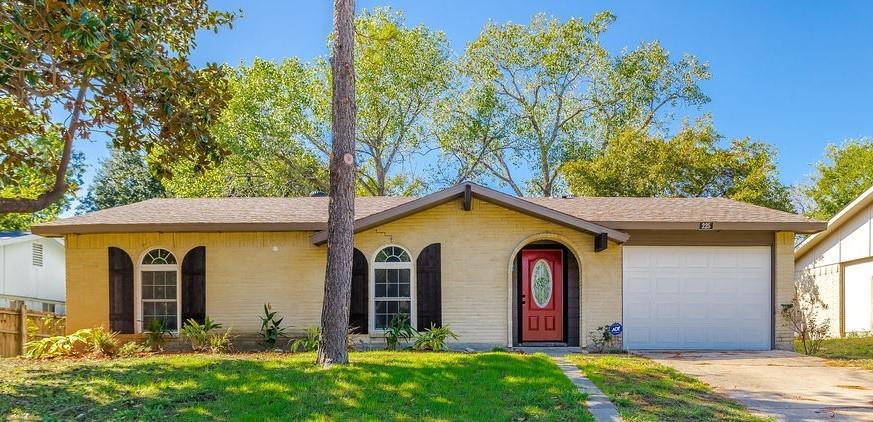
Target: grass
point(400, 386)
point(644, 390)
point(850, 351)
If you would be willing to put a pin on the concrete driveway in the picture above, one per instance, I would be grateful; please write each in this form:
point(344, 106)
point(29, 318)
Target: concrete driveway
point(786, 385)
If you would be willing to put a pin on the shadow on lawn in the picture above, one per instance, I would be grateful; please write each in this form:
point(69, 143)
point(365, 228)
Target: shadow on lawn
point(377, 386)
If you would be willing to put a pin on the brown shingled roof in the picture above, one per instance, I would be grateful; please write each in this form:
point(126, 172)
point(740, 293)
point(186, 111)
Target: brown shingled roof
point(624, 209)
point(310, 214)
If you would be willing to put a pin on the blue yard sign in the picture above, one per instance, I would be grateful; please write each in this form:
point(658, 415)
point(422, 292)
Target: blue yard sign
point(615, 329)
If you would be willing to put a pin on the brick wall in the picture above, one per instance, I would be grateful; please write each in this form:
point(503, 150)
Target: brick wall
point(245, 270)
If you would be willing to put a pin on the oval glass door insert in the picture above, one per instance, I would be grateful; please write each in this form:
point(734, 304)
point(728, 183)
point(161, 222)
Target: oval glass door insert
point(541, 283)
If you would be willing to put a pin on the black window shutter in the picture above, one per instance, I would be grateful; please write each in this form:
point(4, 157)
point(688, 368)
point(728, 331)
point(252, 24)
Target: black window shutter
point(359, 305)
point(428, 283)
point(120, 291)
point(194, 285)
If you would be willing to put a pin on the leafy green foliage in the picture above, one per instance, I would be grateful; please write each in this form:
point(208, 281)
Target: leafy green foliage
point(845, 173)
point(693, 163)
point(535, 95)
point(155, 334)
point(87, 340)
point(32, 173)
point(70, 67)
point(271, 328)
point(400, 72)
point(434, 338)
point(307, 343)
point(131, 349)
point(264, 128)
point(221, 343)
point(311, 337)
point(399, 331)
point(199, 334)
point(122, 179)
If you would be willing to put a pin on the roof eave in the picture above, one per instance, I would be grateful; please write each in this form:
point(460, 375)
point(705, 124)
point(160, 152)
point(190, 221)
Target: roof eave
point(489, 195)
point(49, 230)
point(792, 226)
point(835, 222)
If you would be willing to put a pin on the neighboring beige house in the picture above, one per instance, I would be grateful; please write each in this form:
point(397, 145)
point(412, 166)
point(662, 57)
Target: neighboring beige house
point(678, 273)
point(839, 260)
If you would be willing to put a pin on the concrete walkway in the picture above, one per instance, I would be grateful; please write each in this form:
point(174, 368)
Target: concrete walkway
point(598, 404)
point(785, 385)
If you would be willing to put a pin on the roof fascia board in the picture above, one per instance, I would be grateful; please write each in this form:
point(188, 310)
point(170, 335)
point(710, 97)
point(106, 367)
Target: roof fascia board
point(798, 227)
point(60, 231)
point(835, 222)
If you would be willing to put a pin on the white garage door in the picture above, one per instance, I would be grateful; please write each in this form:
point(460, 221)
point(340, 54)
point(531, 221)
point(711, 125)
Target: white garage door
point(696, 297)
point(858, 296)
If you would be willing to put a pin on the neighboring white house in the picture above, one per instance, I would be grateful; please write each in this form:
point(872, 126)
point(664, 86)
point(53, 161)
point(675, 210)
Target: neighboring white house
point(840, 262)
point(32, 271)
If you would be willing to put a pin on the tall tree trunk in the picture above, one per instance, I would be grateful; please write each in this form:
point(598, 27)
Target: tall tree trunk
point(341, 217)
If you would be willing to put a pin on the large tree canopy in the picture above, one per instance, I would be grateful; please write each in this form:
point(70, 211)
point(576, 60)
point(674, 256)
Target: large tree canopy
point(690, 164)
point(537, 95)
point(123, 178)
point(72, 67)
point(845, 172)
point(401, 71)
point(265, 128)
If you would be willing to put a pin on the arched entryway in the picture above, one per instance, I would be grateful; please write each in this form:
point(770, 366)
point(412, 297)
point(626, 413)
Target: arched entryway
point(545, 313)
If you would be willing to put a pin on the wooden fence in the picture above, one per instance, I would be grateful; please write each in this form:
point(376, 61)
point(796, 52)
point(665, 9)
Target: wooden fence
point(14, 329)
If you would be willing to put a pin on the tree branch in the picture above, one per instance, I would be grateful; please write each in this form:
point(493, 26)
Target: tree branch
point(28, 205)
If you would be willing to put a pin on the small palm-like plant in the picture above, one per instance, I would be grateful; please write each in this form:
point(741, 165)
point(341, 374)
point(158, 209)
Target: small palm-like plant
point(198, 334)
point(434, 338)
point(271, 328)
point(155, 334)
point(307, 343)
point(399, 331)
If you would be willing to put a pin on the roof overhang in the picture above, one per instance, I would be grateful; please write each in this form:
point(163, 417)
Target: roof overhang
point(835, 222)
point(62, 230)
point(489, 195)
point(797, 227)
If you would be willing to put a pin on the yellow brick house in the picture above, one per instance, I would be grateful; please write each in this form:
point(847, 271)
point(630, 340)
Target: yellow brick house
point(677, 273)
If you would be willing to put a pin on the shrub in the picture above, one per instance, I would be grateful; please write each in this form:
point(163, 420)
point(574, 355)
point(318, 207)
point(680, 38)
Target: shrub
point(271, 328)
point(86, 340)
point(399, 331)
point(803, 314)
point(434, 338)
point(198, 334)
point(101, 342)
point(56, 346)
point(307, 343)
point(220, 343)
point(131, 349)
point(602, 340)
point(155, 335)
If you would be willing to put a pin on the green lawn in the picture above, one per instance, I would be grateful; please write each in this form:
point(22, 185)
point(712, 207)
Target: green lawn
point(401, 386)
point(856, 351)
point(647, 391)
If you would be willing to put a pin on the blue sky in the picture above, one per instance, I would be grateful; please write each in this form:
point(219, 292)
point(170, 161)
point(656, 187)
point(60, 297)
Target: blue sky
point(797, 74)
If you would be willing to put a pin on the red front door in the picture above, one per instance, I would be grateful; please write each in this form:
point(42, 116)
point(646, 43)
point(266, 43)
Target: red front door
point(542, 295)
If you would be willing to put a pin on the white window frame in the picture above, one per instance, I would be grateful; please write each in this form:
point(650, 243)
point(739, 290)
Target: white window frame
point(372, 287)
point(139, 267)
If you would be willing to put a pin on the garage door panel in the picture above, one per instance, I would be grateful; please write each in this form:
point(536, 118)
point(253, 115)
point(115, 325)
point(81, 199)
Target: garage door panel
point(697, 297)
point(666, 285)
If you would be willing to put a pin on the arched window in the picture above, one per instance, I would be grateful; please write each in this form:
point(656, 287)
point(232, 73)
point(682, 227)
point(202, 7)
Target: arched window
point(159, 289)
point(393, 286)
